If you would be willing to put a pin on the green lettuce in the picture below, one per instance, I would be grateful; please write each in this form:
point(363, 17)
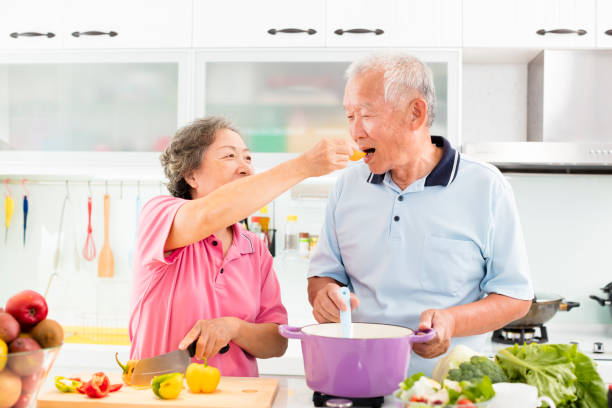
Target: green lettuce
point(478, 390)
point(559, 371)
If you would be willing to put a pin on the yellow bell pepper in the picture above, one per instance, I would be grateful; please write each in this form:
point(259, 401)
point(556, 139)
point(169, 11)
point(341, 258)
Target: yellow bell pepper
point(3, 354)
point(167, 386)
point(202, 378)
point(128, 369)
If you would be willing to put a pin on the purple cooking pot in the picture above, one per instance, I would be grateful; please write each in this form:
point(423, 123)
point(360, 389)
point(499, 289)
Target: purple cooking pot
point(369, 364)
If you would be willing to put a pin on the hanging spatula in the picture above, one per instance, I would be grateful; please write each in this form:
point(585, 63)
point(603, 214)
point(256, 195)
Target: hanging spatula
point(106, 263)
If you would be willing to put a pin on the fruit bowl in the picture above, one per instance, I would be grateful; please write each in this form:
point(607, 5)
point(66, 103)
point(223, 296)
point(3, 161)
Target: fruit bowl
point(22, 374)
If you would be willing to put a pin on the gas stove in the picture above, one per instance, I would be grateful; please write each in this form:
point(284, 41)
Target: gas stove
point(324, 400)
point(594, 340)
point(521, 335)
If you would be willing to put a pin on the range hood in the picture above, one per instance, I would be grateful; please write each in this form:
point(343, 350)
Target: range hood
point(546, 157)
point(569, 116)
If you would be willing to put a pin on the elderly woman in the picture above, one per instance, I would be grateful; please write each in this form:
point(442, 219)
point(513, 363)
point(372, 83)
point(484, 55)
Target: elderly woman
point(197, 274)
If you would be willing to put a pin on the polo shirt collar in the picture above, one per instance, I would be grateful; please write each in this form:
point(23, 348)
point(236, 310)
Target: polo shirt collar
point(243, 241)
point(443, 174)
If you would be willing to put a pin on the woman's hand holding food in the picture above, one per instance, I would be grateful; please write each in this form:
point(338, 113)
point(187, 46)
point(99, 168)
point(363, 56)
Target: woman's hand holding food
point(327, 155)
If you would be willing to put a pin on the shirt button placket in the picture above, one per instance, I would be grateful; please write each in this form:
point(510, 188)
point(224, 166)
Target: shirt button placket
point(395, 225)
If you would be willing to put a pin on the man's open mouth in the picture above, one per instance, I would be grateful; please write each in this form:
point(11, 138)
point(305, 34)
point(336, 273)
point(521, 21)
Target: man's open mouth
point(369, 152)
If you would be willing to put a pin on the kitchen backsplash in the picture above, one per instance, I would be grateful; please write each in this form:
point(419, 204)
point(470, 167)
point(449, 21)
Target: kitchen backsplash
point(566, 221)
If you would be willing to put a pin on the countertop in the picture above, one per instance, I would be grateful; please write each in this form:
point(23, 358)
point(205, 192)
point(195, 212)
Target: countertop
point(75, 359)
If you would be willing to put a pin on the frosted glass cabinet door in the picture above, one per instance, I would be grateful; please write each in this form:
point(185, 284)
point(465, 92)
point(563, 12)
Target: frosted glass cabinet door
point(88, 106)
point(30, 24)
point(288, 106)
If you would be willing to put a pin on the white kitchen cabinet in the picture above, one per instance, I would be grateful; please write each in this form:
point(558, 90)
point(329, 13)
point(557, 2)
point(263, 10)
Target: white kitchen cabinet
point(127, 24)
point(30, 24)
point(517, 23)
point(434, 23)
point(266, 23)
point(90, 24)
point(604, 23)
point(393, 23)
point(361, 23)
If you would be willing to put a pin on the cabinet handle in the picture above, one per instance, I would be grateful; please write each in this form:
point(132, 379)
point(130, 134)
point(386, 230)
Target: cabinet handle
point(609, 32)
point(31, 34)
point(273, 31)
point(80, 33)
point(378, 31)
point(561, 31)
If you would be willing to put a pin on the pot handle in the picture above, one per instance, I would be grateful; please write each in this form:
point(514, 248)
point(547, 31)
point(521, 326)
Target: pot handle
point(599, 300)
point(290, 332)
point(567, 306)
point(422, 336)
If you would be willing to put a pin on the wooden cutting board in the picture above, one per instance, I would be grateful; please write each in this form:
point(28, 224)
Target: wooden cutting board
point(232, 392)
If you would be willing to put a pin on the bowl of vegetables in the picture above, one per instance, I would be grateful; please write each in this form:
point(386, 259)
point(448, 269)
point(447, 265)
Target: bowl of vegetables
point(420, 391)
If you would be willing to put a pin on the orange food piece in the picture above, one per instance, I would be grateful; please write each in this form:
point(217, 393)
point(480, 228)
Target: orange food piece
point(357, 155)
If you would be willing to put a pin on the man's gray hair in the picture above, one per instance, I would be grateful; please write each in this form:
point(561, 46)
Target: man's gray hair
point(402, 73)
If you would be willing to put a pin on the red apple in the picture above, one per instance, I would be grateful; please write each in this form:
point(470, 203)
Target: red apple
point(30, 382)
point(9, 327)
point(28, 308)
point(23, 401)
point(28, 358)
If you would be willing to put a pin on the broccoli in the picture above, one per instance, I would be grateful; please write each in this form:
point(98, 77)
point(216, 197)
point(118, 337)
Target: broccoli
point(476, 368)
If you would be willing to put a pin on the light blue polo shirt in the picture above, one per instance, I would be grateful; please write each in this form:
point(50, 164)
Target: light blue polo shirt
point(448, 239)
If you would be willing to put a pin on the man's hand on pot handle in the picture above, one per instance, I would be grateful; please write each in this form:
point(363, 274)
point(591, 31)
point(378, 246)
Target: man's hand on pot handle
point(444, 323)
point(328, 303)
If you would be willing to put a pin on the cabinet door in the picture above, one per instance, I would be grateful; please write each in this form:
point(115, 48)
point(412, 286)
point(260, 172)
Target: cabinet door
point(30, 24)
point(531, 24)
point(286, 101)
point(119, 104)
point(434, 23)
point(359, 23)
point(265, 23)
point(127, 24)
point(604, 23)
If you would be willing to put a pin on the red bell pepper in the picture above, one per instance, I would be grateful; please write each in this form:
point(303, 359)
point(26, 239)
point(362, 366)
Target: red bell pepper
point(99, 386)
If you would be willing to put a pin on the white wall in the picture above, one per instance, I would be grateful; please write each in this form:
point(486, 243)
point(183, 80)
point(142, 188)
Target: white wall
point(566, 221)
point(494, 103)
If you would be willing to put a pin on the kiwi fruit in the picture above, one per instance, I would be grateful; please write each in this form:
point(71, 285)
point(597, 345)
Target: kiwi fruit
point(48, 333)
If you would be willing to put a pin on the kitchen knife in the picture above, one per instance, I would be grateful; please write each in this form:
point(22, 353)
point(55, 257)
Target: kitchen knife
point(173, 362)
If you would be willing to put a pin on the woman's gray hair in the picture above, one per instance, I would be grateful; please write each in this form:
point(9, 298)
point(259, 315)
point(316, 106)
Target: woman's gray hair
point(186, 149)
point(402, 73)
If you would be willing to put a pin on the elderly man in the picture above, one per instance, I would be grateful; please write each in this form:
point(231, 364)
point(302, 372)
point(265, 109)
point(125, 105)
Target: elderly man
point(423, 236)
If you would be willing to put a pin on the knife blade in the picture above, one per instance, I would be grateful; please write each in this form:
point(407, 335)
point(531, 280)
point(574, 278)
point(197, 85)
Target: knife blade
point(173, 362)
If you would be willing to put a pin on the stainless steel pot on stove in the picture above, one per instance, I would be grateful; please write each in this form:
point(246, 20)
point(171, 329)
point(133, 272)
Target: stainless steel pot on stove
point(605, 302)
point(543, 308)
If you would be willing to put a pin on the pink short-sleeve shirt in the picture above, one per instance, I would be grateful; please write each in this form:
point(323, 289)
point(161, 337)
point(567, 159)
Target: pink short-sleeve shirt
point(171, 293)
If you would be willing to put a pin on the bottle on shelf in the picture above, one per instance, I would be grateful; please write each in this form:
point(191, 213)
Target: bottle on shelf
point(304, 244)
point(291, 233)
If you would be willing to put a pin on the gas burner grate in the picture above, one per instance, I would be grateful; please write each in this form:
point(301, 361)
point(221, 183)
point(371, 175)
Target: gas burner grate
point(520, 335)
point(320, 400)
